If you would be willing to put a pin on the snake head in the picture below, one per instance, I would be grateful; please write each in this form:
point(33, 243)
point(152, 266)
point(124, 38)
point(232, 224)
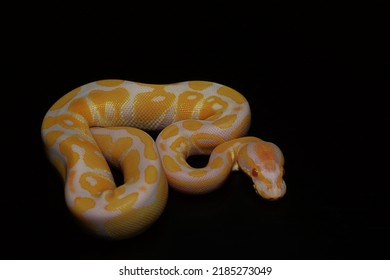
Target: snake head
point(263, 162)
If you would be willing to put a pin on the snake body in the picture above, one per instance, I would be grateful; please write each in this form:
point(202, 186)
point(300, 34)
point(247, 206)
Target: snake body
point(102, 123)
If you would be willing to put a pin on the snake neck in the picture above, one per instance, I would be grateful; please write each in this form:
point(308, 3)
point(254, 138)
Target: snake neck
point(183, 177)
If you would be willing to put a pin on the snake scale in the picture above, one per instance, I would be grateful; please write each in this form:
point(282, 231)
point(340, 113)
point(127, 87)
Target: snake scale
point(102, 123)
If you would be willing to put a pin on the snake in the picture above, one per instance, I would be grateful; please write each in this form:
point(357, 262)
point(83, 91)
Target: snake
point(104, 124)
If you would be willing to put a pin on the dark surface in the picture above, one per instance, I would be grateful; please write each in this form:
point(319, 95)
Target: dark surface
point(312, 75)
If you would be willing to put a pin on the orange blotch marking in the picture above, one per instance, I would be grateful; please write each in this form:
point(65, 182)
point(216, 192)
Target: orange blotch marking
point(170, 131)
point(49, 122)
point(70, 181)
point(197, 173)
point(206, 112)
point(150, 151)
point(180, 145)
point(117, 97)
point(51, 137)
point(116, 203)
point(95, 184)
point(130, 166)
point(216, 163)
point(115, 193)
point(170, 164)
point(66, 149)
point(211, 105)
point(110, 83)
point(223, 147)
point(80, 106)
point(93, 157)
point(192, 125)
point(104, 141)
point(151, 174)
point(187, 103)
point(214, 117)
point(199, 85)
point(66, 121)
point(163, 147)
point(150, 106)
point(232, 94)
point(225, 122)
point(65, 99)
point(91, 153)
point(82, 204)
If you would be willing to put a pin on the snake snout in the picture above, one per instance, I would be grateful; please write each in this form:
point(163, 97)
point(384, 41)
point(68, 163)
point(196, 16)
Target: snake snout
point(270, 192)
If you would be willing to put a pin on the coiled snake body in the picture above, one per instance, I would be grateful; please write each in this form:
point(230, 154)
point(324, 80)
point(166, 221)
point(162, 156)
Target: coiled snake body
point(101, 122)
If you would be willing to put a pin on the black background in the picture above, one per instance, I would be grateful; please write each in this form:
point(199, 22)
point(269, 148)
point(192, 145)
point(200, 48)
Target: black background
point(312, 74)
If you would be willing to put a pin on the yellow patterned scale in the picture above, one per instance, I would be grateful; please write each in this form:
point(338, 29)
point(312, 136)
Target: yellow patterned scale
point(102, 123)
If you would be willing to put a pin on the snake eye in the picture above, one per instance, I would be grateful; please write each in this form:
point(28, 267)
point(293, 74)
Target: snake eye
point(255, 173)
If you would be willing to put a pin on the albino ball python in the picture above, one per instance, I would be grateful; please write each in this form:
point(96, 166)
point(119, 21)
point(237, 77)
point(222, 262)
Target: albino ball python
point(96, 122)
